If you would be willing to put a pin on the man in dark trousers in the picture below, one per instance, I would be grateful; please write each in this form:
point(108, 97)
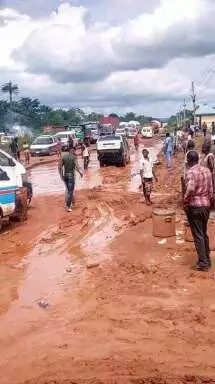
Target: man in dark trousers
point(67, 167)
point(197, 200)
point(14, 147)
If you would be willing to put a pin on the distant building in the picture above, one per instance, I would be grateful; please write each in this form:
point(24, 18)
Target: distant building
point(205, 114)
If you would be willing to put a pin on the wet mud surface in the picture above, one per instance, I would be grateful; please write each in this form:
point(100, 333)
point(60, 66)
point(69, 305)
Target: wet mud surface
point(92, 297)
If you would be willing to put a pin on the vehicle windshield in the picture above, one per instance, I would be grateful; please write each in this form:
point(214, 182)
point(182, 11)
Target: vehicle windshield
point(43, 140)
point(132, 129)
point(63, 136)
point(110, 137)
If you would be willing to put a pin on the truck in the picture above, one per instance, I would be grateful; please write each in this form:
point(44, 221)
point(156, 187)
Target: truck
point(112, 120)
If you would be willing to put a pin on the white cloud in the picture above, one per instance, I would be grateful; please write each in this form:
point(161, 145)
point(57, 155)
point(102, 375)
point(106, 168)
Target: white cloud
point(63, 58)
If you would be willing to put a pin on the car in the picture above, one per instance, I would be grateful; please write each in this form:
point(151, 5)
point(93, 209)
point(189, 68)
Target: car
point(113, 149)
point(94, 136)
point(131, 132)
point(121, 132)
point(63, 137)
point(147, 132)
point(44, 145)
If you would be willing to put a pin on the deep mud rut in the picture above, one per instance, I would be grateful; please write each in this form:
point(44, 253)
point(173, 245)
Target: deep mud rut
point(139, 316)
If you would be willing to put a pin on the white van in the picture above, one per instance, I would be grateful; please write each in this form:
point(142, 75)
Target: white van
point(131, 132)
point(147, 132)
point(13, 194)
point(13, 168)
point(7, 197)
point(134, 124)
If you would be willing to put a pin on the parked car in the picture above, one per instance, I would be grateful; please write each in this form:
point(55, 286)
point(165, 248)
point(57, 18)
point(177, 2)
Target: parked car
point(44, 145)
point(147, 132)
point(121, 132)
point(113, 149)
point(64, 139)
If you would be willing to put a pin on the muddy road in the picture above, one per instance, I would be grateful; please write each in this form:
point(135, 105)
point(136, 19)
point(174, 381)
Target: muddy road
point(92, 297)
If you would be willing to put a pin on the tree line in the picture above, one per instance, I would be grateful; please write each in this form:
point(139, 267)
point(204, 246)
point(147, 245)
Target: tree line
point(33, 114)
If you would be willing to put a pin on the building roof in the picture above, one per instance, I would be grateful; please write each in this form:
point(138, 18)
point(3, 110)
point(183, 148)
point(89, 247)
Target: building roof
point(204, 110)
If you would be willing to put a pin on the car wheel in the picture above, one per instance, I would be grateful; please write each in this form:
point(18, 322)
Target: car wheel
point(101, 163)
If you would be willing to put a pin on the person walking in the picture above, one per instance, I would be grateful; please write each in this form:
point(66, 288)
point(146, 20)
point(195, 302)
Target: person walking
point(147, 176)
point(213, 128)
point(59, 147)
point(14, 147)
point(26, 150)
point(204, 129)
point(136, 142)
point(70, 143)
point(209, 160)
point(86, 156)
point(67, 167)
point(197, 200)
point(168, 150)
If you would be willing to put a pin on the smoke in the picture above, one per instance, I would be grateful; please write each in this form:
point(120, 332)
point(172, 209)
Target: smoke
point(13, 125)
point(21, 130)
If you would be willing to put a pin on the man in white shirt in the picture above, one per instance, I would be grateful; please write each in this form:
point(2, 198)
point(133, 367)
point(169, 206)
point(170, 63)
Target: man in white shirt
point(86, 156)
point(147, 176)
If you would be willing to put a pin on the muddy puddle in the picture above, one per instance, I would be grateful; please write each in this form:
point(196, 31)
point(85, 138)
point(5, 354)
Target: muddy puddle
point(46, 180)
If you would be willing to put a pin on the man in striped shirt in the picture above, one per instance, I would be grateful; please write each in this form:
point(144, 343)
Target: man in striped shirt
point(197, 199)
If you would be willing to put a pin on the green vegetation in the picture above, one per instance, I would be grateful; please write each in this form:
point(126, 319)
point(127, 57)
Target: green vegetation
point(32, 114)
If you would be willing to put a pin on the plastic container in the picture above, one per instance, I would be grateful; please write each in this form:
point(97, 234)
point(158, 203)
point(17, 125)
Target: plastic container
point(163, 221)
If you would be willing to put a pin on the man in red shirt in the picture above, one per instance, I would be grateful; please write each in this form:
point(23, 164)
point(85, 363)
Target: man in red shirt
point(197, 199)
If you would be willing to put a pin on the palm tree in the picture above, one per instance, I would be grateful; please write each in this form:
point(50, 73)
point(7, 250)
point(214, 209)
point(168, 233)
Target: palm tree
point(11, 89)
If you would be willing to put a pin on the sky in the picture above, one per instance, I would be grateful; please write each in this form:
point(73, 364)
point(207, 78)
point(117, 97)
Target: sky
point(110, 55)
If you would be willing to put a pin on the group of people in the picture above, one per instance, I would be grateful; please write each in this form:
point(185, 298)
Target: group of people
point(198, 186)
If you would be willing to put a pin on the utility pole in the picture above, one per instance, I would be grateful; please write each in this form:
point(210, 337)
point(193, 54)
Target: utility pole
point(184, 109)
point(180, 118)
point(177, 122)
point(193, 97)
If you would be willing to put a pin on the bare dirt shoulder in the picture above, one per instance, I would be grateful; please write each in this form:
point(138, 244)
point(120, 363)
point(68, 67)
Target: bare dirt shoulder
point(141, 316)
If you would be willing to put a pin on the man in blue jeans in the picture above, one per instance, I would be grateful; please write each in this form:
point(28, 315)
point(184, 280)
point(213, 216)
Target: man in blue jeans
point(67, 167)
point(168, 149)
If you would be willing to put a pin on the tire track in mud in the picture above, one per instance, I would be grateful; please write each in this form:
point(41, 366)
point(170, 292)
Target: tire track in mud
point(59, 255)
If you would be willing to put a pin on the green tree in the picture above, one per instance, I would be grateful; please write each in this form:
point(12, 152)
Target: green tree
point(130, 116)
point(11, 89)
point(93, 116)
